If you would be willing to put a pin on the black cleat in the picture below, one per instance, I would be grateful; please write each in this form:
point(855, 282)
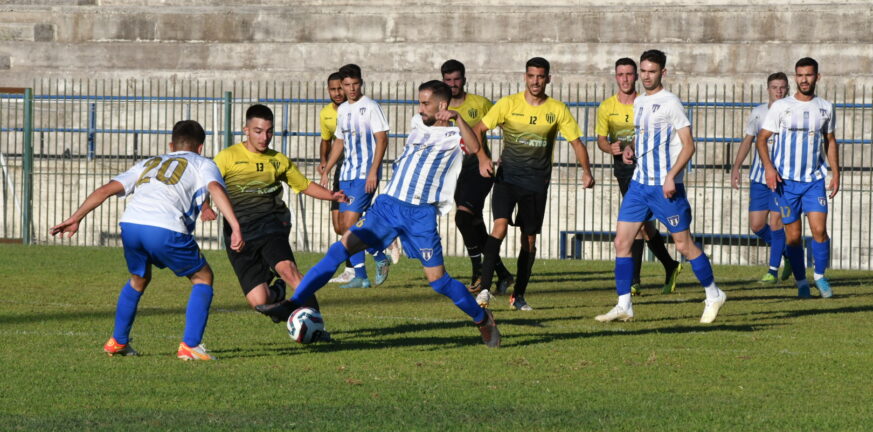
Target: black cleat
point(278, 312)
point(278, 290)
point(503, 284)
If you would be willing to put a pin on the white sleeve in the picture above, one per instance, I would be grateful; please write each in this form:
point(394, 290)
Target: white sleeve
point(771, 122)
point(752, 124)
point(209, 173)
point(129, 178)
point(677, 115)
point(832, 123)
point(378, 122)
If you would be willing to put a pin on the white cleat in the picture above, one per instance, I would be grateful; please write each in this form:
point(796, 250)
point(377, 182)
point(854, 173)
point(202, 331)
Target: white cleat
point(484, 298)
point(346, 276)
point(616, 313)
point(712, 307)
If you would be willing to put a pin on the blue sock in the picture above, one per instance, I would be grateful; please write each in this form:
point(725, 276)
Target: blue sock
point(795, 257)
point(703, 270)
point(197, 314)
point(624, 274)
point(379, 256)
point(125, 313)
point(456, 291)
point(319, 274)
point(821, 253)
point(765, 234)
point(777, 248)
point(359, 265)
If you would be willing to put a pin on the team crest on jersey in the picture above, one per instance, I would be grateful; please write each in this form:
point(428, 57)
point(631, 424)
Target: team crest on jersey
point(275, 164)
point(823, 112)
point(363, 110)
point(655, 108)
point(551, 117)
point(450, 133)
point(822, 201)
point(673, 220)
point(426, 254)
point(473, 112)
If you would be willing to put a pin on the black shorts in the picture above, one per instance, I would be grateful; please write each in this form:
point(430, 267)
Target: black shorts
point(254, 265)
point(529, 206)
point(334, 205)
point(472, 189)
point(623, 184)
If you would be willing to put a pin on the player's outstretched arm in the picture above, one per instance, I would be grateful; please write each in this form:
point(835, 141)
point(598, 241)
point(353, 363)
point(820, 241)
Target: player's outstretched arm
point(378, 154)
point(471, 139)
point(605, 146)
point(486, 166)
point(834, 161)
point(770, 173)
point(318, 191)
point(222, 201)
point(742, 152)
point(681, 161)
point(582, 156)
point(71, 225)
point(207, 214)
point(336, 149)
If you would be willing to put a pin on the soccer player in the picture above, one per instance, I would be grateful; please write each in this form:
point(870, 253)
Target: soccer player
point(363, 138)
point(470, 197)
point(421, 188)
point(615, 131)
point(762, 201)
point(663, 146)
point(805, 125)
point(530, 121)
point(253, 173)
point(166, 193)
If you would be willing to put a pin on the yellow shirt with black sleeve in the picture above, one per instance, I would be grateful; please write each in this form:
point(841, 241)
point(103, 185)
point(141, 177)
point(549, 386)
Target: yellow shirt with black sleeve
point(253, 185)
point(472, 110)
point(615, 121)
point(529, 134)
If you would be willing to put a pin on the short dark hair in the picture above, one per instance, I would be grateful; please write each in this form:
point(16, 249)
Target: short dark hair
point(350, 70)
point(777, 76)
point(188, 134)
point(655, 56)
point(259, 111)
point(336, 76)
point(538, 62)
point(807, 61)
point(625, 61)
point(453, 66)
point(439, 89)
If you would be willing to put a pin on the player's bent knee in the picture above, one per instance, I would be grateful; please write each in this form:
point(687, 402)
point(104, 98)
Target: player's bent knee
point(441, 284)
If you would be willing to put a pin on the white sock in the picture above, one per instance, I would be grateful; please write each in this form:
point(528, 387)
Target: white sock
point(712, 291)
point(624, 301)
point(817, 276)
point(774, 268)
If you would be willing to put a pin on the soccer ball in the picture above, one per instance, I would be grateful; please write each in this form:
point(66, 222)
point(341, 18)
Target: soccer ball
point(305, 325)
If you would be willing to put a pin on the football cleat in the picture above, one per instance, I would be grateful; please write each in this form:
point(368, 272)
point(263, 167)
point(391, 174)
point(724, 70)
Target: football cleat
point(518, 303)
point(672, 277)
point(786, 269)
point(382, 267)
point(824, 288)
point(278, 290)
point(489, 331)
point(357, 283)
point(768, 279)
point(278, 312)
point(617, 313)
point(484, 298)
point(347, 275)
point(113, 348)
point(710, 311)
point(475, 287)
point(197, 353)
point(803, 289)
point(504, 283)
point(636, 289)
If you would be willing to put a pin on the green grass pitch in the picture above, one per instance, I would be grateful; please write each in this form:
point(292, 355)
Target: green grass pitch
point(407, 359)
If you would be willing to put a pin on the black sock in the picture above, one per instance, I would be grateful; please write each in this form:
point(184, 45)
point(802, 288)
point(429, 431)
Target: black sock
point(637, 255)
point(502, 271)
point(656, 245)
point(349, 264)
point(492, 254)
point(522, 274)
point(311, 302)
point(473, 232)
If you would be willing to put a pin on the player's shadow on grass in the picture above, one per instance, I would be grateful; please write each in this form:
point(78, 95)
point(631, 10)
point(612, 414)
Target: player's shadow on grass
point(812, 312)
point(623, 332)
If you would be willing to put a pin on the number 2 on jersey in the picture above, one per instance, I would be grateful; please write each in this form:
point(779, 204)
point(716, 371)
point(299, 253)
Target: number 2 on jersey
point(161, 175)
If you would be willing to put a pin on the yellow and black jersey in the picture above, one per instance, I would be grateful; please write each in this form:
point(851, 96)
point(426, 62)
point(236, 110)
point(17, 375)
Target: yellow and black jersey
point(529, 134)
point(615, 121)
point(253, 185)
point(327, 120)
point(472, 110)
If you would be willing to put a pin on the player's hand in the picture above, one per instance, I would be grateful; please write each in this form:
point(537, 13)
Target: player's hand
point(208, 214)
point(669, 187)
point(236, 241)
point(68, 227)
point(616, 148)
point(372, 182)
point(486, 167)
point(735, 178)
point(321, 167)
point(340, 196)
point(446, 115)
point(834, 186)
point(772, 177)
point(627, 156)
point(587, 180)
point(324, 179)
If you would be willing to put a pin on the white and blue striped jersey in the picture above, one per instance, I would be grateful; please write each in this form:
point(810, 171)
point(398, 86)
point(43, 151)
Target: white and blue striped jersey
point(427, 171)
point(168, 190)
point(356, 125)
point(802, 126)
point(753, 126)
point(657, 119)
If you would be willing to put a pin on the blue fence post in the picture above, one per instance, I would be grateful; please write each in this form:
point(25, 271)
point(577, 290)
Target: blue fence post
point(92, 127)
point(27, 168)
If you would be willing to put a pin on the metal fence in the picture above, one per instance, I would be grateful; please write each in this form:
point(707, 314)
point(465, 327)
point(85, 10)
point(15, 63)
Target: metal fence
point(83, 132)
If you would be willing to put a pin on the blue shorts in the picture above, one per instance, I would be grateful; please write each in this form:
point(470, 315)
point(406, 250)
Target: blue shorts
point(642, 202)
point(416, 225)
point(796, 198)
point(359, 199)
point(761, 198)
point(146, 245)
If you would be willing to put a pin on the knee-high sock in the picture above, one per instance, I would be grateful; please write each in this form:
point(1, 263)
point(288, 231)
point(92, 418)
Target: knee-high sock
point(525, 265)
point(659, 249)
point(777, 247)
point(125, 312)
point(795, 257)
point(456, 291)
point(319, 274)
point(637, 255)
point(197, 314)
point(624, 273)
point(473, 232)
point(765, 234)
point(358, 262)
point(703, 270)
point(492, 253)
point(821, 253)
